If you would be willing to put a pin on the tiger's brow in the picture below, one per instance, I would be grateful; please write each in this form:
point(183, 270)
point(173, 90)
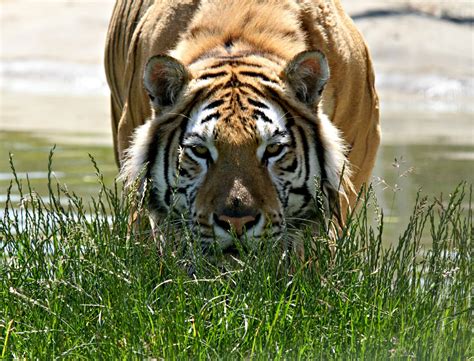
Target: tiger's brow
point(193, 139)
point(281, 133)
point(214, 104)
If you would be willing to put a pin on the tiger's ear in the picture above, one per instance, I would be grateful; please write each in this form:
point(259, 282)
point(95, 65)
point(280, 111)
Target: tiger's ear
point(164, 80)
point(307, 74)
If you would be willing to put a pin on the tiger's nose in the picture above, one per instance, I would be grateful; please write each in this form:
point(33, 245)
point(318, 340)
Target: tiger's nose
point(237, 224)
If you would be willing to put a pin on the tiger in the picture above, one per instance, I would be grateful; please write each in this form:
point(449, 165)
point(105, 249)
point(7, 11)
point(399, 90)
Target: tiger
point(238, 113)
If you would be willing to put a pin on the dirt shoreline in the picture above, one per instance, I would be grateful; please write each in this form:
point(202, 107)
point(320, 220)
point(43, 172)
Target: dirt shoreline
point(422, 64)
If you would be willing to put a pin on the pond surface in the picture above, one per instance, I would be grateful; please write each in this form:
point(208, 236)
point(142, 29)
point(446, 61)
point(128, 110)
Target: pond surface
point(434, 166)
point(71, 164)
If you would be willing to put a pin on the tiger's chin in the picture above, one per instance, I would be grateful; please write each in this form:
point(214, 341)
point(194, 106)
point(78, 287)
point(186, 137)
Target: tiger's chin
point(230, 245)
point(236, 252)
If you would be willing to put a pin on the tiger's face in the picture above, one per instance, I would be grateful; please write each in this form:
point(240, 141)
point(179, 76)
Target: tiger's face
point(236, 144)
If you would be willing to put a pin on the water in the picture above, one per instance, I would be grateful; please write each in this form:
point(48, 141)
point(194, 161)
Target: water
point(403, 169)
point(433, 170)
point(71, 164)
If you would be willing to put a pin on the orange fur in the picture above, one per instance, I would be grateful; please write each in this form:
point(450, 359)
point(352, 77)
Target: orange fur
point(188, 29)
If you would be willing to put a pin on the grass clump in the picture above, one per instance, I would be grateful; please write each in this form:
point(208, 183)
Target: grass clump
point(74, 282)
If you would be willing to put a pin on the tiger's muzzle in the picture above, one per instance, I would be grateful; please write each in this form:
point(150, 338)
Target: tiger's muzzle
point(237, 201)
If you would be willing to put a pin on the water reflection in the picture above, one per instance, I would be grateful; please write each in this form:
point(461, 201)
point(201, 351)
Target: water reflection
point(404, 170)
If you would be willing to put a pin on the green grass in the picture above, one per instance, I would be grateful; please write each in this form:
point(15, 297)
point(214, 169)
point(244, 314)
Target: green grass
point(76, 283)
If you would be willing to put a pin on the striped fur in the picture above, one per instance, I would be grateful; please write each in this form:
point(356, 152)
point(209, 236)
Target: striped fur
point(234, 82)
point(235, 106)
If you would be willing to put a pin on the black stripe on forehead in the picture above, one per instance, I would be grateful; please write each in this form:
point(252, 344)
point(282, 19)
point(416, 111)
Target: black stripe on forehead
point(230, 83)
point(238, 100)
point(255, 74)
point(212, 116)
point(234, 63)
point(253, 89)
point(256, 103)
point(214, 104)
point(259, 114)
point(212, 75)
point(236, 57)
point(234, 82)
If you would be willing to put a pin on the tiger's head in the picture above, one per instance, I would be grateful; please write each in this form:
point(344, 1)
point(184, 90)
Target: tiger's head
point(236, 143)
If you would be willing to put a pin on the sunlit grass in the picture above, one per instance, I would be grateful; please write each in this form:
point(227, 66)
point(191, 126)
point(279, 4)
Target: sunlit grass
point(75, 282)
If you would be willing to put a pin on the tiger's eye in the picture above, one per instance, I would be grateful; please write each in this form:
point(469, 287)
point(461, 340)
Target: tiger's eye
point(200, 150)
point(273, 150)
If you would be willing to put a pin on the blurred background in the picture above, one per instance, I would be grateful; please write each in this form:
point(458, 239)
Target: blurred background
point(53, 92)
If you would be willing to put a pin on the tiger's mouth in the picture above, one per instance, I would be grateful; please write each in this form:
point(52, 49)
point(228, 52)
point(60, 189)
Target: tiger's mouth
point(237, 236)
